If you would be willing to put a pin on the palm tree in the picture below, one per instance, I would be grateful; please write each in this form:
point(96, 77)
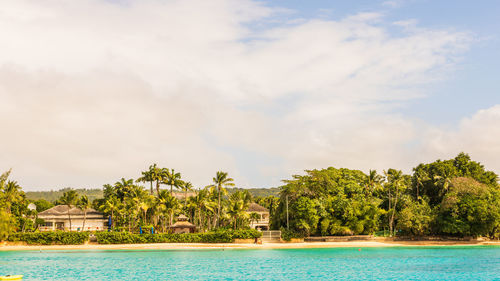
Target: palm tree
point(173, 179)
point(420, 177)
point(69, 199)
point(111, 205)
point(12, 194)
point(395, 181)
point(123, 188)
point(372, 180)
point(221, 180)
point(171, 206)
point(159, 175)
point(238, 204)
point(254, 217)
point(201, 202)
point(84, 204)
point(187, 186)
point(147, 176)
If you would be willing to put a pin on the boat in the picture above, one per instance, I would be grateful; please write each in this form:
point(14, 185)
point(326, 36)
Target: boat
point(11, 277)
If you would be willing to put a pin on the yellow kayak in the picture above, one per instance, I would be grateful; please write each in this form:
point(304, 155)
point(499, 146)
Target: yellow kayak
point(11, 277)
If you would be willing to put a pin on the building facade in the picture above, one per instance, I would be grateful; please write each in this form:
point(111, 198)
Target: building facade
point(262, 220)
point(56, 218)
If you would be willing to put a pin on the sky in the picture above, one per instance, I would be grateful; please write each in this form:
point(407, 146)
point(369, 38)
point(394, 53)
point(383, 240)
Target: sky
point(95, 90)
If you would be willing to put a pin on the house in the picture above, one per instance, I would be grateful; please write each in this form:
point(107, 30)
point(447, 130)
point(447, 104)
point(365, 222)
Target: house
point(262, 220)
point(56, 218)
point(182, 225)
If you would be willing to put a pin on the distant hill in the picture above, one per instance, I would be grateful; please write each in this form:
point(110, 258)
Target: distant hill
point(258, 192)
point(53, 195)
point(92, 194)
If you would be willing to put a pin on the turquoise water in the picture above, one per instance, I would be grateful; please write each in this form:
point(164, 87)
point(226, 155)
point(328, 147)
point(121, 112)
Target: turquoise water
point(429, 263)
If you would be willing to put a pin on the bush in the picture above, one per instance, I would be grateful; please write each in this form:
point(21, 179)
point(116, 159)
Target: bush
point(287, 235)
point(246, 234)
point(222, 236)
point(50, 238)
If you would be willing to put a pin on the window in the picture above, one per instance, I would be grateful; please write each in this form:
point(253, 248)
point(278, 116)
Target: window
point(47, 224)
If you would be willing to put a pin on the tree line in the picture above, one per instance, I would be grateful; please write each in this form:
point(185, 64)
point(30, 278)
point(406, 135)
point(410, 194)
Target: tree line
point(455, 197)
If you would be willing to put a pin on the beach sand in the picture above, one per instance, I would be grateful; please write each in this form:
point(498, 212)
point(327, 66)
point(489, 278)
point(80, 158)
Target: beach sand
point(186, 246)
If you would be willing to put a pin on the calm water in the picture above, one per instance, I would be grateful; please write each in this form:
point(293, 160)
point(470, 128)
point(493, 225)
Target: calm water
point(433, 263)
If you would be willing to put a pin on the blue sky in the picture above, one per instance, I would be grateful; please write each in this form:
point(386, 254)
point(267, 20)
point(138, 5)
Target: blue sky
point(473, 85)
point(96, 90)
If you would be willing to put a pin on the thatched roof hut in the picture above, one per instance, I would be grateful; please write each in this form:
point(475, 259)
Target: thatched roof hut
point(182, 225)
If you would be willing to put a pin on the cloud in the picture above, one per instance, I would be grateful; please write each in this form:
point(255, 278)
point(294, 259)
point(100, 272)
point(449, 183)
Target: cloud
point(95, 90)
point(478, 135)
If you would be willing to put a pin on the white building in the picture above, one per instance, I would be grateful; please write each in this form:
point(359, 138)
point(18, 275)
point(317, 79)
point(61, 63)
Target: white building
point(56, 218)
point(262, 223)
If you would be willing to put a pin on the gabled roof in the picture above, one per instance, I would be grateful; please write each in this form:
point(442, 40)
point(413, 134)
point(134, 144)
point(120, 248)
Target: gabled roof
point(61, 210)
point(254, 207)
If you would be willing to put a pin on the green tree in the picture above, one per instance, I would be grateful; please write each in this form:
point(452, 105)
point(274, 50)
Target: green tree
point(186, 187)
point(12, 194)
point(237, 206)
point(84, 204)
point(111, 206)
point(173, 179)
point(69, 198)
point(147, 176)
point(220, 181)
point(42, 205)
point(416, 218)
point(395, 187)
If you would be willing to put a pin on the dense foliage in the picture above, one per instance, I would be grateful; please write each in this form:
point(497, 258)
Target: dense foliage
point(456, 197)
point(50, 238)
point(222, 236)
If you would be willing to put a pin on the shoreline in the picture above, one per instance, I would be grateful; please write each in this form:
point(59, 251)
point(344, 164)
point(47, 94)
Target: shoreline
point(208, 246)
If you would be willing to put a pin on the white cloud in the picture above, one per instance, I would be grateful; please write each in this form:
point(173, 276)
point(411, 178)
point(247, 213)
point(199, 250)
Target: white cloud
point(93, 90)
point(478, 135)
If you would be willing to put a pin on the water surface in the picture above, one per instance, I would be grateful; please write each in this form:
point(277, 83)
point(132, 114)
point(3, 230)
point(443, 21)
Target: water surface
point(392, 263)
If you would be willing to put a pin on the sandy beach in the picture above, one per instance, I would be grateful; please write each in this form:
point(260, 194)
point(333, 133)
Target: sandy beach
point(193, 246)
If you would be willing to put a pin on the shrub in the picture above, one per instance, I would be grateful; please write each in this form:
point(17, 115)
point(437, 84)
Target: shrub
point(287, 235)
point(246, 234)
point(221, 236)
point(50, 238)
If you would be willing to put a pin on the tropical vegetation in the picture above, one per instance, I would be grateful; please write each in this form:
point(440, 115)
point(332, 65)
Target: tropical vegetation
point(456, 197)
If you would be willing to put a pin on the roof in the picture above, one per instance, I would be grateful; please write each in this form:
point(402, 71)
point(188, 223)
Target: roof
point(182, 217)
point(182, 224)
point(254, 207)
point(62, 210)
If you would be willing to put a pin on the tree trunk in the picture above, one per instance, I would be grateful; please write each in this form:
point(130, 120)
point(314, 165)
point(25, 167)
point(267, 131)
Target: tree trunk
point(69, 217)
point(157, 188)
point(218, 209)
point(185, 197)
point(200, 225)
point(151, 187)
point(84, 219)
point(390, 222)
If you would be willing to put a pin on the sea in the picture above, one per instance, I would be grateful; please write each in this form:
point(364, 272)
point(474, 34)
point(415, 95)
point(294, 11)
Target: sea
point(385, 263)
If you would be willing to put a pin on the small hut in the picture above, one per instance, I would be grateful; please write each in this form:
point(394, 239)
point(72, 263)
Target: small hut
point(182, 225)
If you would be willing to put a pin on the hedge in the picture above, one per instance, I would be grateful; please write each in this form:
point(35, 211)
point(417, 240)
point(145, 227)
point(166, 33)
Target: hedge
point(287, 235)
point(209, 237)
point(50, 238)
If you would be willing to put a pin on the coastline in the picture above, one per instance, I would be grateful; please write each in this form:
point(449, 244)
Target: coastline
point(207, 246)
